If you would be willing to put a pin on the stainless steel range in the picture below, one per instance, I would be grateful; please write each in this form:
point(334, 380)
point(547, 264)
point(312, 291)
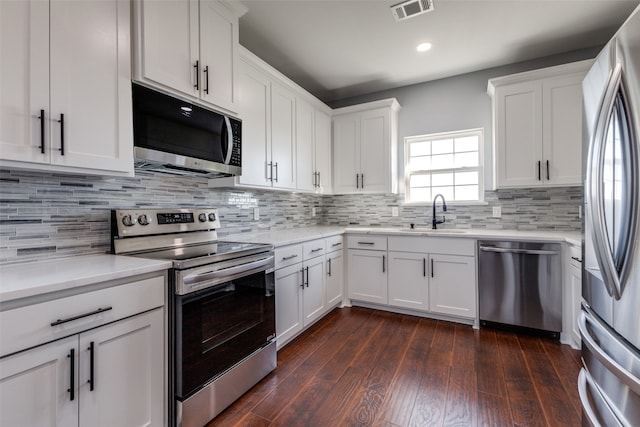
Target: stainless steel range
point(221, 306)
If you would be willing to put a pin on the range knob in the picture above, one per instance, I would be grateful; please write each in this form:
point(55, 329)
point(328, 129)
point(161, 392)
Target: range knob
point(212, 217)
point(202, 217)
point(143, 219)
point(127, 220)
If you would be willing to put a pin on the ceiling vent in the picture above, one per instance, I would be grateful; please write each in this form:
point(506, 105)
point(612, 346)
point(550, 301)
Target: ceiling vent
point(410, 8)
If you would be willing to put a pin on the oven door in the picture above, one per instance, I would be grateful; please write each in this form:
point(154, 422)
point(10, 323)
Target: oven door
point(219, 326)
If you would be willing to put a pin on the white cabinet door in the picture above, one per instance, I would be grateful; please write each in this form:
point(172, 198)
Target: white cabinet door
point(91, 85)
point(34, 386)
point(408, 282)
point(562, 128)
point(289, 318)
point(128, 378)
point(24, 81)
point(374, 151)
point(305, 164)
point(218, 54)
point(334, 278)
point(367, 276)
point(313, 294)
point(452, 285)
point(70, 64)
point(255, 96)
point(283, 141)
point(323, 151)
point(575, 285)
point(346, 153)
point(168, 49)
point(519, 135)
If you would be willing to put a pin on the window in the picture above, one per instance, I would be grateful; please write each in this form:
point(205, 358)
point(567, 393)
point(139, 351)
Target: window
point(445, 163)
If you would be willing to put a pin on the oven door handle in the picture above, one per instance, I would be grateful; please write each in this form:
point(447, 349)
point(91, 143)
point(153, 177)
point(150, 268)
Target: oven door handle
point(227, 272)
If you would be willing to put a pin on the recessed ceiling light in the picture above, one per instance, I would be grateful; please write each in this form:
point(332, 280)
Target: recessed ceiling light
point(423, 47)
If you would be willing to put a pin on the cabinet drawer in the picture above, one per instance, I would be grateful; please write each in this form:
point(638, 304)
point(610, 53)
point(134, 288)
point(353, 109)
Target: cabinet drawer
point(334, 243)
point(574, 255)
point(288, 255)
point(313, 249)
point(433, 245)
point(367, 242)
point(29, 326)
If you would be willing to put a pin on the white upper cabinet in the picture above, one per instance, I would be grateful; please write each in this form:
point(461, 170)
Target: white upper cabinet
point(537, 127)
point(286, 133)
point(189, 47)
point(313, 148)
point(365, 148)
point(65, 86)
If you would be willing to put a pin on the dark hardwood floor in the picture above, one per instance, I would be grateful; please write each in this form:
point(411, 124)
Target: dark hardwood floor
point(362, 367)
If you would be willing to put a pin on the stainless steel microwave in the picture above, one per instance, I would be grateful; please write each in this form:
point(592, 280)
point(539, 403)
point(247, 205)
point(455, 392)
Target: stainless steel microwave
point(175, 136)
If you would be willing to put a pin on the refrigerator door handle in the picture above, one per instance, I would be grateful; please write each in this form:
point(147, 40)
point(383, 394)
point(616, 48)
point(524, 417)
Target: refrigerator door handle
point(585, 382)
point(614, 277)
point(612, 365)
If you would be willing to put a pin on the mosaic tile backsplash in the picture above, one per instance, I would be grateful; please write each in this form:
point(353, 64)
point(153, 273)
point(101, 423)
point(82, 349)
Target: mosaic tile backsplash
point(45, 215)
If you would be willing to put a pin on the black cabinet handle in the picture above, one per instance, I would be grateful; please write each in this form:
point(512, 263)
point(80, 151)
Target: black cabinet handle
point(424, 267)
point(302, 283)
point(357, 180)
point(307, 283)
point(431, 267)
point(315, 250)
point(548, 170)
point(276, 166)
point(197, 67)
point(41, 147)
point(539, 178)
point(270, 166)
point(576, 259)
point(91, 381)
point(329, 267)
point(61, 121)
point(286, 258)
point(206, 80)
point(384, 259)
point(318, 180)
point(362, 180)
point(72, 377)
point(80, 316)
point(336, 244)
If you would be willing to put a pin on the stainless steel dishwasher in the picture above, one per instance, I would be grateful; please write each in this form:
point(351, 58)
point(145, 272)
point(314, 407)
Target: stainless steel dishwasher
point(520, 286)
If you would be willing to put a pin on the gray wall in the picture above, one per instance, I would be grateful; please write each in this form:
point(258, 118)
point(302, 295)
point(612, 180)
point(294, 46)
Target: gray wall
point(456, 103)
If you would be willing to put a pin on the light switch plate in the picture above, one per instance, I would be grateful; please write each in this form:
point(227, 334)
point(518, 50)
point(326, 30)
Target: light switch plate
point(497, 211)
point(256, 214)
point(394, 211)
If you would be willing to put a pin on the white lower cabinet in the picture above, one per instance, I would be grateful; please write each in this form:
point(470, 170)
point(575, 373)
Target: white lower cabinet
point(452, 285)
point(288, 303)
point(308, 284)
point(368, 275)
point(94, 358)
point(572, 295)
point(111, 375)
point(427, 274)
point(408, 282)
point(334, 278)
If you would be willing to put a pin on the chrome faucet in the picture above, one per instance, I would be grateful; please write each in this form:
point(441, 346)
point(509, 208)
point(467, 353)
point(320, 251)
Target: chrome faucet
point(434, 221)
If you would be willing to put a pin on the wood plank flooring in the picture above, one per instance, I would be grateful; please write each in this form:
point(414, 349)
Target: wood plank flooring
point(362, 367)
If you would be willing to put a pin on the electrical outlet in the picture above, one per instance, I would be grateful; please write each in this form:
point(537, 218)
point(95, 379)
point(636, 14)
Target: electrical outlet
point(394, 211)
point(313, 212)
point(497, 211)
point(256, 214)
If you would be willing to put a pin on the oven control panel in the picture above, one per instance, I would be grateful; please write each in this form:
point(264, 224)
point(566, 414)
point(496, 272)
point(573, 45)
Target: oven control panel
point(144, 222)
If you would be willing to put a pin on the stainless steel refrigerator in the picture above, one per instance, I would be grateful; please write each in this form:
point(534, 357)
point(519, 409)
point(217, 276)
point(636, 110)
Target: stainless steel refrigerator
point(609, 382)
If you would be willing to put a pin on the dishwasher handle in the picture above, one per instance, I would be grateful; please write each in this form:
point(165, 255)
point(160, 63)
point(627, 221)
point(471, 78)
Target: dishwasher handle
point(519, 251)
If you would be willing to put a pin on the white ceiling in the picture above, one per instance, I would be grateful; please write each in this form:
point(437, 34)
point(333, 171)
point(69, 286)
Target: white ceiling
point(341, 48)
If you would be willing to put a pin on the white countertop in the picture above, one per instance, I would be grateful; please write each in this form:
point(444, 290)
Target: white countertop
point(298, 235)
point(36, 278)
point(287, 237)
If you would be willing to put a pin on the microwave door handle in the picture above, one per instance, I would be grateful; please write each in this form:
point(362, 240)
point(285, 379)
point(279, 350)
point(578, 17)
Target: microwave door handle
point(227, 124)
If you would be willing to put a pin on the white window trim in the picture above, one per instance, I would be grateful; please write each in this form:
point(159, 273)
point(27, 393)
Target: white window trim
point(443, 135)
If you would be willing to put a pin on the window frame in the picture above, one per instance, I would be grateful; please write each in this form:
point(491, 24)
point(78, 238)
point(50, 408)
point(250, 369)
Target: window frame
point(439, 136)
